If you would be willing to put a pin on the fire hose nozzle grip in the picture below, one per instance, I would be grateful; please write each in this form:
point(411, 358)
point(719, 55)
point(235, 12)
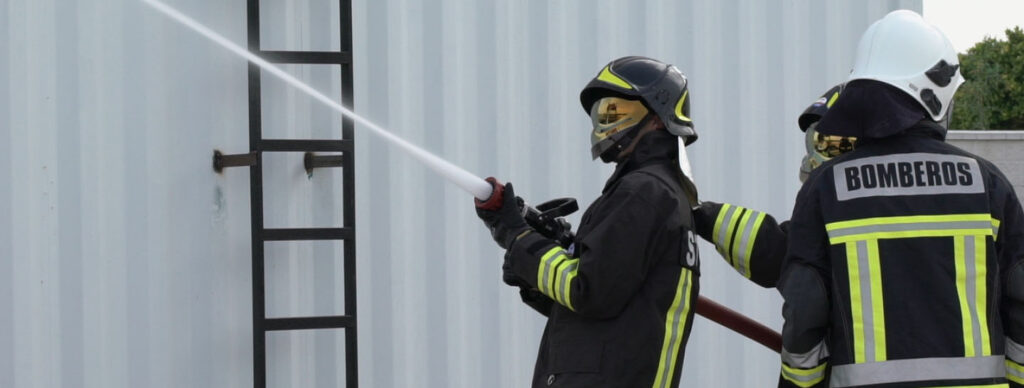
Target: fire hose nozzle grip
point(493, 202)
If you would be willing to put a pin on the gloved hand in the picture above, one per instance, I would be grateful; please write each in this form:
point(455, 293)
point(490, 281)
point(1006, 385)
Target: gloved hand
point(505, 219)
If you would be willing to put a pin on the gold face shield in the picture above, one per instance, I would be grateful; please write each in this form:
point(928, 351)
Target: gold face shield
point(612, 115)
point(821, 148)
point(831, 146)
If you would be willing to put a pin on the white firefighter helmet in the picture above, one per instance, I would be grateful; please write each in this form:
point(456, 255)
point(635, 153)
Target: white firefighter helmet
point(904, 51)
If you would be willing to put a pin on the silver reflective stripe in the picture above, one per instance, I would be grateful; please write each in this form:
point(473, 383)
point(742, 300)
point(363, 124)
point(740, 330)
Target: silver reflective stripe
point(918, 369)
point(812, 378)
point(808, 360)
point(970, 264)
point(741, 253)
point(1014, 374)
point(547, 272)
point(562, 279)
point(867, 310)
point(1014, 351)
point(911, 226)
point(723, 240)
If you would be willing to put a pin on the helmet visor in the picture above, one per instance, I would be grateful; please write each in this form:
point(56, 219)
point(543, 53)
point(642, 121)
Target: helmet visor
point(821, 148)
point(831, 146)
point(611, 115)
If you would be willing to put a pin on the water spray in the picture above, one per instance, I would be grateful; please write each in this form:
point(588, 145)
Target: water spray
point(455, 174)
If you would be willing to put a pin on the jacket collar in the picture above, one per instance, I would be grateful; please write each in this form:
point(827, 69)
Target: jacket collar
point(655, 147)
point(924, 128)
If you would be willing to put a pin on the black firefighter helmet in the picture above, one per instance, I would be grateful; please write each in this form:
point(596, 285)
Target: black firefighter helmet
point(624, 92)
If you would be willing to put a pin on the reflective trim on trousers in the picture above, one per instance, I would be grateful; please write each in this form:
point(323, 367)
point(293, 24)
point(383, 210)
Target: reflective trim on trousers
point(806, 360)
point(804, 377)
point(1014, 351)
point(1015, 372)
point(918, 369)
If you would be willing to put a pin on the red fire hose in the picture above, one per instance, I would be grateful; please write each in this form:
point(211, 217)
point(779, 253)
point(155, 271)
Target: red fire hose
point(739, 323)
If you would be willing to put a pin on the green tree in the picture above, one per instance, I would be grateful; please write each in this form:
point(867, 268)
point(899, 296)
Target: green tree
point(993, 96)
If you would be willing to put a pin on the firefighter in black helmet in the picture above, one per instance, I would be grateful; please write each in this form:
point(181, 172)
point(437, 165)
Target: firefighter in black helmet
point(622, 294)
point(753, 242)
point(905, 261)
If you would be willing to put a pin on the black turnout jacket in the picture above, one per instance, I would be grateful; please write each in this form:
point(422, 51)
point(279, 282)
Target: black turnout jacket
point(624, 293)
point(905, 267)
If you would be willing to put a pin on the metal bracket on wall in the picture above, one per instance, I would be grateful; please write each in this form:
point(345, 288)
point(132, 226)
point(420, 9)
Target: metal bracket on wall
point(221, 161)
point(311, 161)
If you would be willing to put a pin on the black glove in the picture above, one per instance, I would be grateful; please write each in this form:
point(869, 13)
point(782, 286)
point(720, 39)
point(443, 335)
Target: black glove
point(506, 222)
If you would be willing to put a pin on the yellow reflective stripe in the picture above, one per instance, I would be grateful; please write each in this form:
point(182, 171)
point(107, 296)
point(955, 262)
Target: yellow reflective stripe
point(804, 377)
point(551, 280)
point(981, 274)
point(675, 329)
point(832, 100)
point(719, 235)
point(961, 290)
point(562, 271)
point(971, 273)
point(718, 223)
point(1015, 372)
point(556, 271)
point(904, 227)
point(607, 76)
point(567, 288)
point(679, 107)
point(907, 220)
point(995, 228)
point(856, 305)
point(909, 234)
point(750, 245)
point(877, 301)
point(736, 238)
point(542, 269)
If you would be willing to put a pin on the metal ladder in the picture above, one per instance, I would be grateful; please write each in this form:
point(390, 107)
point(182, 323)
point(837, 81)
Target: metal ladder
point(257, 146)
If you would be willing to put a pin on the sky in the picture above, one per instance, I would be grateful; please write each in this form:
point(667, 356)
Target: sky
point(968, 22)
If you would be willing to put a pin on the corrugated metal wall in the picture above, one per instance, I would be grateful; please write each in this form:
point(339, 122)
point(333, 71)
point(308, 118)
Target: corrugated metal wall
point(124, 259)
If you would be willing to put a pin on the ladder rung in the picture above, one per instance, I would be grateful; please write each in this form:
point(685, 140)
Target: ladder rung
point(290, 234)
point(303, 323)
point(304, 145)
point(307, 57)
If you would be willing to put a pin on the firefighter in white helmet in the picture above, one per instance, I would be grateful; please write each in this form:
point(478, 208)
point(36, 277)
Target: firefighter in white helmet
point(905, 262)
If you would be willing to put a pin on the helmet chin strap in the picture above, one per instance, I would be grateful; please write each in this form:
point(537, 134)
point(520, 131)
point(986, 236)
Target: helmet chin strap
point(648, 127)
point(624, 146)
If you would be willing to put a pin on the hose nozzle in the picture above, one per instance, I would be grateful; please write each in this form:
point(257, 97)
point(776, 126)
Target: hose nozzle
point(494, 201)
